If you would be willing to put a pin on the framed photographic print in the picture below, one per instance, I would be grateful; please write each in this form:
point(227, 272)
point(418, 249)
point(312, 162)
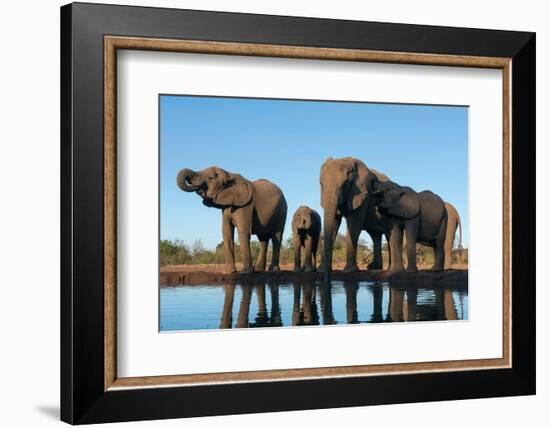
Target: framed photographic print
point(257, 207)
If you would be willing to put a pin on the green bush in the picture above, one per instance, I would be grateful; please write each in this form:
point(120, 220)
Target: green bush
point(174, 253)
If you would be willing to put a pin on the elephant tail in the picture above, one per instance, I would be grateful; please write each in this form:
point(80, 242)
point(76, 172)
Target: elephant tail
point(459, 237)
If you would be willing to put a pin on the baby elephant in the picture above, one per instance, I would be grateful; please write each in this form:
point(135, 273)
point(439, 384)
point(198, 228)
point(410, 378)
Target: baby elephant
point(306, 230)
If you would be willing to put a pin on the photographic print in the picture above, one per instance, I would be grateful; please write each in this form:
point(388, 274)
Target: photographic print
point(312, 189)
point(289, 213)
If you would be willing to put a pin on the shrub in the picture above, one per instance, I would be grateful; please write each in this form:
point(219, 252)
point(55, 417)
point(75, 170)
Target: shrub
point(173, 253)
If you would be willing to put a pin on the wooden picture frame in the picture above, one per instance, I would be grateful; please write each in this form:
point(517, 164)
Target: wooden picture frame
point(91, 390)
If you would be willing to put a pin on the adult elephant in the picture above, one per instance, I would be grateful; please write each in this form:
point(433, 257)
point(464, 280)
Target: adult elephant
point(419, 216)
point(453, 223)
point(345, 186)
point(254, 207)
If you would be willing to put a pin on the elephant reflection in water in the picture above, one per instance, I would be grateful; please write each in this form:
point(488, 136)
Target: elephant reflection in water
point(305, 310)
point(351, 288)
point(276, 319)
point(325, 293)
point(244, 307)
point(262, 319)
point(227, 310)
point(404, 304)
point(312, 304)
point(401, 309)
point(304, 307)
point(377, 293)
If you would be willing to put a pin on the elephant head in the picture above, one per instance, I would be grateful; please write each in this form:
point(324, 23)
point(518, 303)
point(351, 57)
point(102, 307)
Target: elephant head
point(302, 219)
point(217, 187)
point(394, 200)
point(344, 189)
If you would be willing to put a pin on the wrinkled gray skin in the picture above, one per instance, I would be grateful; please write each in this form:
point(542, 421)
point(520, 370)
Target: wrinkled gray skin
point(306, 231)
point(345, 186)
point(453, 222)
point(254, 207)
point(420, 217)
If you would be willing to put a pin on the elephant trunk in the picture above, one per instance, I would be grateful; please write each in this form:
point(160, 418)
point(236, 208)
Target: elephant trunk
point(329, 233)
point(185, 180)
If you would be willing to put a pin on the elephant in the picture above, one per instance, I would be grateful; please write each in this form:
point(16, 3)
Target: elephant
point(346, 184)
point(306, 231)
point(254, 207)
point(419, 216)
point(453, 222)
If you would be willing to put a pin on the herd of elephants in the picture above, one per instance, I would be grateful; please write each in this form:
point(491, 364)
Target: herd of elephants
point(368, 200)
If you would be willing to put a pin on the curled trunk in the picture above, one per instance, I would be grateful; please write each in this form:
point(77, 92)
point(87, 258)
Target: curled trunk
point(184, 180)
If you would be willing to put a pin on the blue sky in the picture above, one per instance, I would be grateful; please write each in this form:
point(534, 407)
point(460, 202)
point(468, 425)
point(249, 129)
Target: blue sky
point(286, 141)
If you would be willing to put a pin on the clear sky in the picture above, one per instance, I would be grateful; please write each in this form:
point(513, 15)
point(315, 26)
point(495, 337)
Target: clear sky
point(286, 141)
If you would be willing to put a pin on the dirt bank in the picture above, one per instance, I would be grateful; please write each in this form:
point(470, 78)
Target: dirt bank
point(213, 274)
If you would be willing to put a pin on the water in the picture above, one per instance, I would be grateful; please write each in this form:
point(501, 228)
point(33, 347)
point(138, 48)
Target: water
point(199, 307)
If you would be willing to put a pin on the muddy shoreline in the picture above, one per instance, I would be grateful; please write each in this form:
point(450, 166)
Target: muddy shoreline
point(458, 278)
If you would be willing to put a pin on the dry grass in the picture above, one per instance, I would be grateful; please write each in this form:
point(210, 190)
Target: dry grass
point(218, 268)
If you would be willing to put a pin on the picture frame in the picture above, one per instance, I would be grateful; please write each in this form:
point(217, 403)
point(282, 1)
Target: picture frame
point(91, 391)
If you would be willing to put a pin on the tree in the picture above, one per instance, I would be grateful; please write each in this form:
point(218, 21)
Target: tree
point(198, 248)
point(173, 252)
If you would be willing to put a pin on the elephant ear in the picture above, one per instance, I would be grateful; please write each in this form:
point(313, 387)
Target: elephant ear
point(237, 191)
point(405, 205)
point(358, 186)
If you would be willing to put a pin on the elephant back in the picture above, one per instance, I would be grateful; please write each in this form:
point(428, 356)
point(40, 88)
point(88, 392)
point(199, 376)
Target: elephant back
point(380, 176)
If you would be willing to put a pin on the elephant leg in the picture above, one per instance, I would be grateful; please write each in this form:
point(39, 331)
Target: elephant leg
point(354, 224)
point(449, 240)
point(297, 253)
point(376, 262)
point(396, 248)
point(439, 256)
point(411, 232)
point(244, 240)
point(388, 236)
point(308, 266)
point(337, 222)
point(276, 239)
point(228, 233)
point(260, 263)
point(439, 249)
point(314, 249)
